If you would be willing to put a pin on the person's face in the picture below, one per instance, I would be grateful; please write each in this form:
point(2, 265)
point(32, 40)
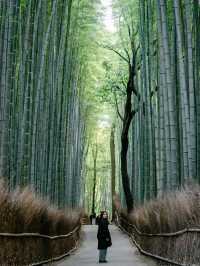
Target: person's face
point(105, 215)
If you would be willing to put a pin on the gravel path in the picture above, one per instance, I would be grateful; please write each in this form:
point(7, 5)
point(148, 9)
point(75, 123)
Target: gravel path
point(122, 253)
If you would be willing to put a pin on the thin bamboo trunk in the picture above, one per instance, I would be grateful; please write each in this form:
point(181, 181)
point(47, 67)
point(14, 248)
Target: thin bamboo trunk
point(113, 167)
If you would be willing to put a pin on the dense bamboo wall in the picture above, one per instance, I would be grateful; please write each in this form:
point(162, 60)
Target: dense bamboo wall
point(42, 69)
point(164, 146)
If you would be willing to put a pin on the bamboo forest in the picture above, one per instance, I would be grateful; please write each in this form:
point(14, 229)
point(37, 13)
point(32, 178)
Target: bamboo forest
point(100, 124)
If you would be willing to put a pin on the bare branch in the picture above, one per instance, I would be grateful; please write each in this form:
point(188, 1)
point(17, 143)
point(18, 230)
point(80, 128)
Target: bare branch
point(118, 53)
point(127, 53)
point(139, 64)
point(132, 39)
point(125, 49)
point(136, 32)
point(136, 50)
point(124, 84)
point(133, 112)
point(117, 107)
point(120, 89)
point(129, 31)
point(94, 150)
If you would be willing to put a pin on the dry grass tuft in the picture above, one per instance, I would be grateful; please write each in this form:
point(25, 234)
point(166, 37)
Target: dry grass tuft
point(176, 211)
point(23, 212)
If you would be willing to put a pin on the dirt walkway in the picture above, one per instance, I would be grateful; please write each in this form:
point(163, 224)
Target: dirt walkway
point(122, 253)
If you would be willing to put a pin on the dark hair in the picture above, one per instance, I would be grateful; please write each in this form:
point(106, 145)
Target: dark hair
point(102, 213)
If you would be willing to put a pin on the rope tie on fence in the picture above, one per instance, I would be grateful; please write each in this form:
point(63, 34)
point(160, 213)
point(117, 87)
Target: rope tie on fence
point(40, 235)
point(141, 250)
point(181, 232)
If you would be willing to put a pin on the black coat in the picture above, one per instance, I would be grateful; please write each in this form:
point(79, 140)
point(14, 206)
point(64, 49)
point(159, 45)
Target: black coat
point(103, 235)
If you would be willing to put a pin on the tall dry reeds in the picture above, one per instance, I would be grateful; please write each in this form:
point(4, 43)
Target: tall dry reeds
point(174, 212)
point(23, 212)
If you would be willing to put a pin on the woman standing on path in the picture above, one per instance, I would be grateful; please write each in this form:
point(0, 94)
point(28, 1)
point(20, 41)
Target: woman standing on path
point(103, 236)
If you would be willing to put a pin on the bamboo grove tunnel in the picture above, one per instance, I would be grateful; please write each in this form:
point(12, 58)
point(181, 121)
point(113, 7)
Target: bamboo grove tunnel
point(100, 110)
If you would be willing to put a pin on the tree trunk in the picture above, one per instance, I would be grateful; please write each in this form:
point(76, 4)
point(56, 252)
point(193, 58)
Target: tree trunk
point(94, 154)
point(128, 115)
point(113, 166)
